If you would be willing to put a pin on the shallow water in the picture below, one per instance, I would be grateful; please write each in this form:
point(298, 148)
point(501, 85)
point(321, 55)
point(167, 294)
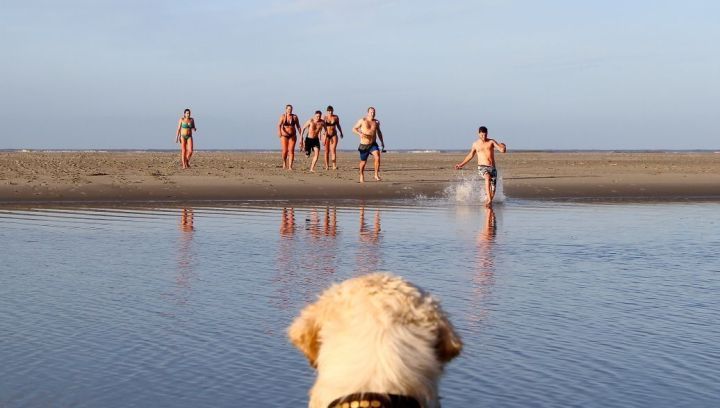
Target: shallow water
point(591, 305)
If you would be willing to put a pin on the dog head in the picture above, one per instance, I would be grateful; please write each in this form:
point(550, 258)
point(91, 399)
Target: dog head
point(390, 301)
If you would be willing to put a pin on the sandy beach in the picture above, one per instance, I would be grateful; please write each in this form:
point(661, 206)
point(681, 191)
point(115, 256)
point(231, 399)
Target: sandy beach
point(37, 177)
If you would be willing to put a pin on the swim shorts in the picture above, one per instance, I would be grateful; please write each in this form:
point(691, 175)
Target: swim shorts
point(366, 150)
point(311, 144)
point(491, 170)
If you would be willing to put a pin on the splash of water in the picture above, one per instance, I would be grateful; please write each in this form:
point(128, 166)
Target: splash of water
point(470, 189)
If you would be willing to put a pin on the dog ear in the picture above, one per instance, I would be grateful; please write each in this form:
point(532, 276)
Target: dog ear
point(449, 344)
point(304, 331)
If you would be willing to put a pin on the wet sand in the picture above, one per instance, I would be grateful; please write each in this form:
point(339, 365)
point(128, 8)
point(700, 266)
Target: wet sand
point(37, 177)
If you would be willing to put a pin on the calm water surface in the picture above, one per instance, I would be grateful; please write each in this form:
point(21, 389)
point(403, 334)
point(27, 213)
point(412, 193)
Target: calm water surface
point(559, 305)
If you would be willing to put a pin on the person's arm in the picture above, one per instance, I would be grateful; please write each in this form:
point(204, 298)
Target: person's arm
point(305, 126)
point(302, 133)
point(500, 146)
point(193, 125)
point(297, 122)
point(469, 157)
point(337, 122)
point(357, 127)
point(323, 134)
point(177, 136)
point(379, 134)
point(280, 123)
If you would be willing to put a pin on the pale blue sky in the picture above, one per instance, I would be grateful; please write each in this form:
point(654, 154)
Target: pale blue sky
point(539, 74)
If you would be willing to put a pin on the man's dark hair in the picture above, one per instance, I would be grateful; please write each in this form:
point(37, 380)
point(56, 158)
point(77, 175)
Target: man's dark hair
point(318, 113)
point(330, 108)
point(482, 129)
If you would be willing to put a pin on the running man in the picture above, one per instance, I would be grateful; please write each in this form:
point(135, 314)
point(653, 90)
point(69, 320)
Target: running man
point(485, 150)
point(286, 132)
point(368, 128)
point(315, 126)
point(332, 126)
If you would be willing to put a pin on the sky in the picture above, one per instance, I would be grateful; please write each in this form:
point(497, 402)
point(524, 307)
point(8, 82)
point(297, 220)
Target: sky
point(94, 74)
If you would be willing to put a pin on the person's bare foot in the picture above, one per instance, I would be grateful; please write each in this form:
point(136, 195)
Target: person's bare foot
point(362, 178)
point(312, 171)
point(377, 178)
point(335, 167)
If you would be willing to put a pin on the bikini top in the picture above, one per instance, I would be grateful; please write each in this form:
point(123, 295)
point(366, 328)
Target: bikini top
point(330, 123)
point(292, 121)
point(186, 125)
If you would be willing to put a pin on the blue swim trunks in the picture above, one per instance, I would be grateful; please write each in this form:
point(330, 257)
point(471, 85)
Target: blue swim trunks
point(366, 150)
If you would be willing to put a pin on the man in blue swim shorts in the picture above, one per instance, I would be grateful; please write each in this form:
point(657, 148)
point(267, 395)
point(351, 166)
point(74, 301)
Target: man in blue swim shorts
point(485, 150)
point(368, 128)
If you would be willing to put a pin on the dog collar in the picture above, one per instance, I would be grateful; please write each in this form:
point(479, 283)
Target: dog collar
point(374, 400)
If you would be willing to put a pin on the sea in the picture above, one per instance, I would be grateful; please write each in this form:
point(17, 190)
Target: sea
point(559, 304)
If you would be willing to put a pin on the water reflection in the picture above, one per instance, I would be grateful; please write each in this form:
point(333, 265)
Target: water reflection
point(185, 264)
point(368, 252)
point(484, 277)
point(306, 261)
point(287, 223)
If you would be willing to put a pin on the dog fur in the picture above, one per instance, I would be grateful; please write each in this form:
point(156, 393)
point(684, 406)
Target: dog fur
point(375, 333)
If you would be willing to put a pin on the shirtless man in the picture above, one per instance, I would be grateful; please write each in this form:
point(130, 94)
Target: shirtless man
point(368, 128)
point(311, 143)
point(332, 126)
point(286, 132)
point(485, 150)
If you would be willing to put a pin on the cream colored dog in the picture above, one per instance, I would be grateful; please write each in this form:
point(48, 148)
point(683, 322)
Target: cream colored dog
point(376, 333)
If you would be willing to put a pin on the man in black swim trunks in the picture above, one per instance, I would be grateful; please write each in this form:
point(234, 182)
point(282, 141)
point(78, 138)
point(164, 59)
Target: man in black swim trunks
point(311, 143)
point(485, 150)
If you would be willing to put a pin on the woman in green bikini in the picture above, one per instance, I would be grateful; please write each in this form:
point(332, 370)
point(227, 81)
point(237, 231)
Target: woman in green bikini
point(186, 126)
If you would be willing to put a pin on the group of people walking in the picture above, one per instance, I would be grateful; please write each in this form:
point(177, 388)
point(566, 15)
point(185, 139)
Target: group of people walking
point(317, 126)
point(328, 128)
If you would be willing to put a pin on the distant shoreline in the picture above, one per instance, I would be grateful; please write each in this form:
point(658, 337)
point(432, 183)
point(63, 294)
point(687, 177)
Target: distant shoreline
point(155, 176)
point(352, 150)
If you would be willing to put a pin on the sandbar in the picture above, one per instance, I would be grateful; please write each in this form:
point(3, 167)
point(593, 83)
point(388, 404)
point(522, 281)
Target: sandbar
point(129, 177)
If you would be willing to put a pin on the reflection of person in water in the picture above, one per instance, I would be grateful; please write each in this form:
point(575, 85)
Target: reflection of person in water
point(185, 253)
point(368, 256)
point(485, 275)
point(286, 265)
point(187, 219)
point(287, 224)
point(330, 222)
point(328, 228)
point(366, 234)
point(312, 226)
point(306, 257)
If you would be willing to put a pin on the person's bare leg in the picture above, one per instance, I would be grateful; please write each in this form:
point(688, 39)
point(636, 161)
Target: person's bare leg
point(188, 151)
point(333, 152)
point(283, 153)
point(316, 156)
point(327, 154)
point(291, 153)
point(488, 191)
point(362, 171)
point(376, 155)
point(182, 153)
